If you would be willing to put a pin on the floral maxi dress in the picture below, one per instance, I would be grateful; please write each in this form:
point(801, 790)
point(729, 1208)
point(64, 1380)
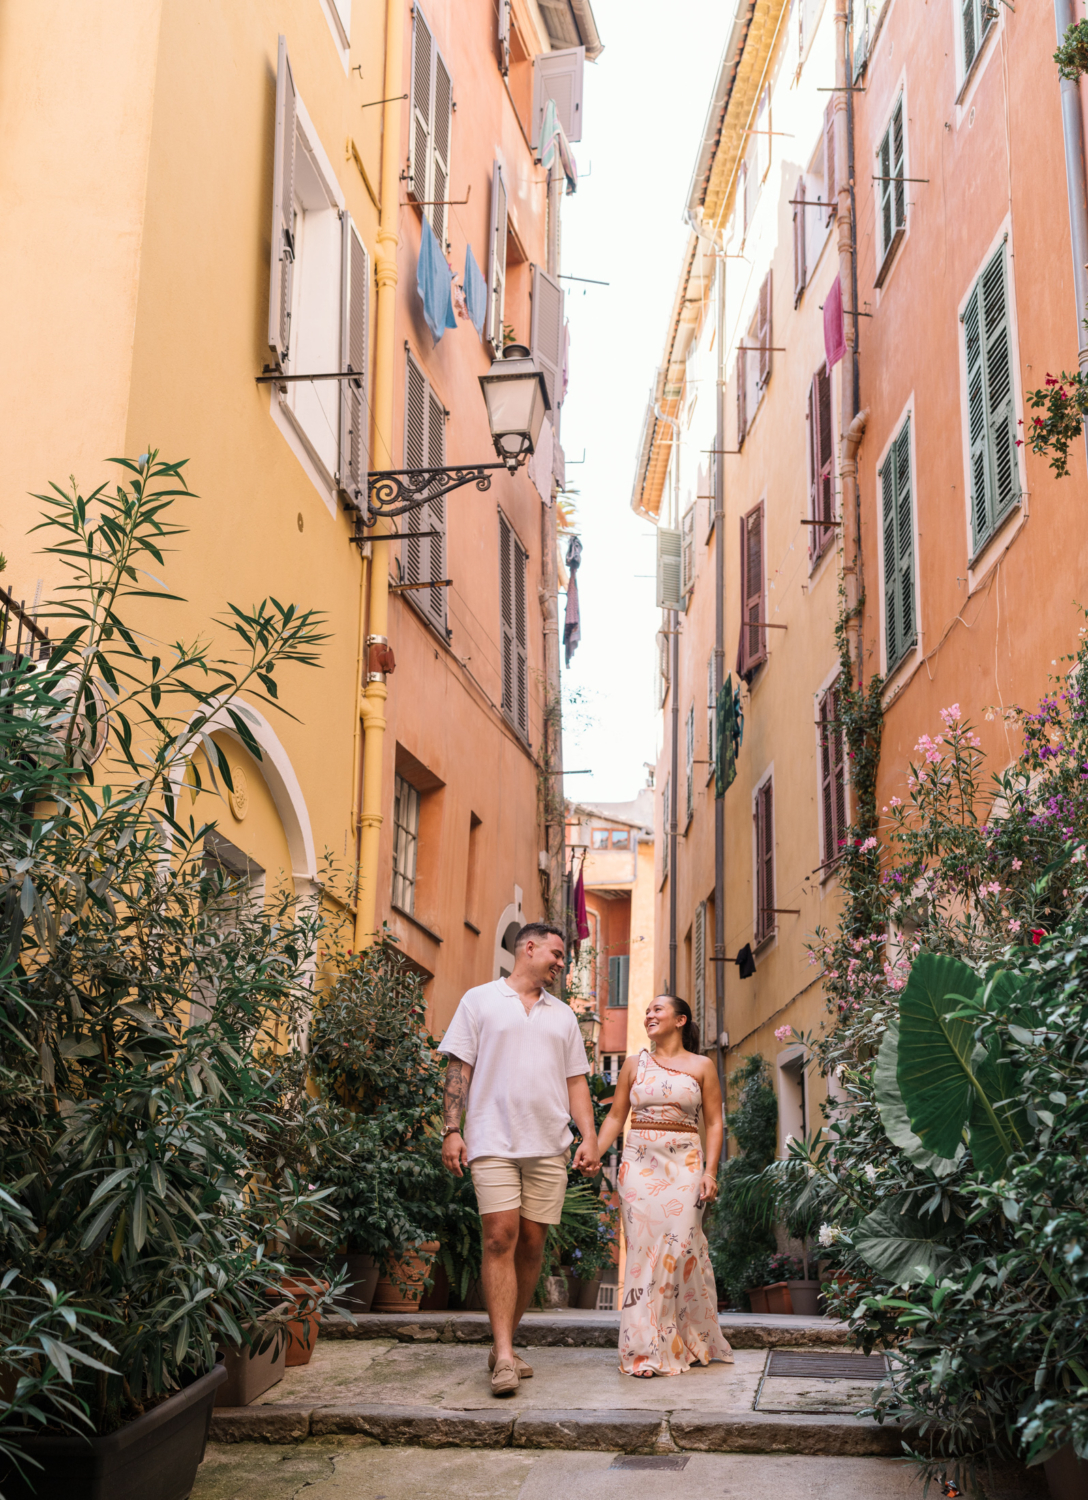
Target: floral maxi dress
point(669, 1319)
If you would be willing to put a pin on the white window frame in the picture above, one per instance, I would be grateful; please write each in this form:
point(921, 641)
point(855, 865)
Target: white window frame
point(887, 253)
point(406, 804)
point(967, 73)
point(338, 15)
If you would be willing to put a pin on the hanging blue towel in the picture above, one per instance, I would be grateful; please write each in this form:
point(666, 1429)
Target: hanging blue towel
point(434, 284)
point(475, 292)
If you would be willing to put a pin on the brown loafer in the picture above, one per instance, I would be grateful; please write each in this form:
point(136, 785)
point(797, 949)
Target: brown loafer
point(504, 1380)
point(525, 1372)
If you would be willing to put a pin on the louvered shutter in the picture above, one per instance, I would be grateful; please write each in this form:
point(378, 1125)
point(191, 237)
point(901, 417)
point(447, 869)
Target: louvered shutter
point(504, 37)
point(765, 914)
point(438, 186)
point(976, 414)
point(497, 262)
point(699, 963)
point(829, 160)
point(838, 765)
point(897, 505)
point(1000, 407)
point(765, 331)
point(689, 764)
point(892, 196)
point(354, 343)
point(711, 716)
point(687, 550)
point(546, 333)
point(891, 610)
point(424, 557)
point(558, 76)
point(800, 268)
point(742, 395)
point(506, 618)
point(832, 776)
point(618, 976)
point(821, 454)
point(670, 594)
point(975, 27)
point(419, 131)
point(415, 457)
point(519, 560)
point(433, 600)
point(283, 210)
point(753, 636)
point(666, 825)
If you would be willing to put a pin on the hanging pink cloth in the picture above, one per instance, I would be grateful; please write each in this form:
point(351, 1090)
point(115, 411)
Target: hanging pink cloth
point(834, 327)
point(581, 916)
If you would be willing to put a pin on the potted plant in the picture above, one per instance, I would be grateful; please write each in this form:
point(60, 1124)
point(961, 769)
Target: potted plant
point(138, 993)
point(591, 1256)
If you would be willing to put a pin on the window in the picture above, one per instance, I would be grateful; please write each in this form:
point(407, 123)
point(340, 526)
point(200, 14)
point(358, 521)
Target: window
point(900, 626)
point(405, 844)
point(764, 871)
point(813, 212)
point(515, 628)
point(689, 765)
point(753, 636)
point(800, 241)
point(431, 114)
point(423, 550)
point(621, 839)
point(991, 409)
point(611, 1063)
point(754, 361)
point(698, 961)
point(821, 453)
point(666, 825)
point(558, 76)
point(891, 189)
point(832, 776)
point(687, 550)
point(711, 718)
point(618, 974)
point(318, 301)
point(977, 16)
point(599, 837)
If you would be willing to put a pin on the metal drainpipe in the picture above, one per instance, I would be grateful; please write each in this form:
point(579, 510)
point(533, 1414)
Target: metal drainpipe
point(719, 680)
point(674, 689)
point(1076, 187)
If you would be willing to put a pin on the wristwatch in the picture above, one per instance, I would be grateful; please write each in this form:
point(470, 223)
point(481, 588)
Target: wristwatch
point(451, 1130)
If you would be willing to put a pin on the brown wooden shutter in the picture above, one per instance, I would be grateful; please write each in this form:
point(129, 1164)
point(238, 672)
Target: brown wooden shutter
point(832, 776)
point(753, 636)
point(829, 160)
point(800, 268)
point(742, 395)
point(765, 331)
point(821, 461)
point(354, 343)
point(765, 914)
point(283, 211)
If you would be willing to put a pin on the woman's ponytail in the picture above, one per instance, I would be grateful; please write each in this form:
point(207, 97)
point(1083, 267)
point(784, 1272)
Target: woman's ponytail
point(690, 1034)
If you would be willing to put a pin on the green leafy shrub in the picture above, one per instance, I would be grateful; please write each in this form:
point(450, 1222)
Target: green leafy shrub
point(739, 1224)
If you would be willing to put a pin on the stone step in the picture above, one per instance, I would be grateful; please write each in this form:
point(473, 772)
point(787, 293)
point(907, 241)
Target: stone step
point(696, 1430)
point(576, 1329)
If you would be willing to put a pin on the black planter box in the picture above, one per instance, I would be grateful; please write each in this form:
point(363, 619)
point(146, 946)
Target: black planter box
point(154, 1458)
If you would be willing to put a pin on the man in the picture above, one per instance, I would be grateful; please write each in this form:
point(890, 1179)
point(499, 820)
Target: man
point(517, 1071)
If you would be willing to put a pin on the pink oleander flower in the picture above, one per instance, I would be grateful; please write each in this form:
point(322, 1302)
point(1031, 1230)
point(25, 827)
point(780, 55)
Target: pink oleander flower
point(993, 889)
point(897, 802)
point(783, 1033)
point(951, 714)
point(870, 843)
point(1014, 926)
point(1017, 864)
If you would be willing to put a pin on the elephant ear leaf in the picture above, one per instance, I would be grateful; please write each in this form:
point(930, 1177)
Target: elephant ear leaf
point(934, 1064)
point(900, 1247)
point(1004, 1126)
point(893, 1112)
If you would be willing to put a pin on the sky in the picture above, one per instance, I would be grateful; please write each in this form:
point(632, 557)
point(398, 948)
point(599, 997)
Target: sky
point(644, 106)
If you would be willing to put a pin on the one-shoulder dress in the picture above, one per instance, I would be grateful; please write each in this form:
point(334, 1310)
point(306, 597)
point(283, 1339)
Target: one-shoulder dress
point(669, 1318)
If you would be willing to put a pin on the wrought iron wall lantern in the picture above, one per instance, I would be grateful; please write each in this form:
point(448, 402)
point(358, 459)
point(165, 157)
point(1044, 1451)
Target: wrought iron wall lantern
point(516, 398)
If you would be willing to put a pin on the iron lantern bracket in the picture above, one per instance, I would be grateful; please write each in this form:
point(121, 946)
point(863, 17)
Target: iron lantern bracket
point(392, 492)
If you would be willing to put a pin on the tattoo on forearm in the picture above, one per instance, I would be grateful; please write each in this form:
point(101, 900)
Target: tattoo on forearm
point(455, 1094)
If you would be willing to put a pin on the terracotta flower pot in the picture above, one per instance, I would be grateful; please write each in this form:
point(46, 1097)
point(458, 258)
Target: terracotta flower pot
point(803, 1295)
point(757, 1297)
point(363, 1272)
point(304, 1291)
point(154, 1458)
point(587, 1293)
point(402, 1290)
point(778, 1297)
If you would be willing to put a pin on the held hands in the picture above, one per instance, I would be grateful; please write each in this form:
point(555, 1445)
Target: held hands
point(708, 1188)
point(455, 1154)
point(587, 1159)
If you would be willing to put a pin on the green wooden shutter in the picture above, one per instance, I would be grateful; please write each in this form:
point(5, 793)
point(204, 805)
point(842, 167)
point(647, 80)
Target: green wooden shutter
point(991, 407)
point(900, 623)
point(891, 612)
point(976, 415)
point(892, 196)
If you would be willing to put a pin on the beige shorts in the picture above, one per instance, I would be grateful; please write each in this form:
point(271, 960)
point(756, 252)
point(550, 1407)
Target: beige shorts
point(536, 1185)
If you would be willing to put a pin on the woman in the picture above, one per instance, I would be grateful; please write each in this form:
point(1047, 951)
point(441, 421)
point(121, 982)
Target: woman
point(669, 1319)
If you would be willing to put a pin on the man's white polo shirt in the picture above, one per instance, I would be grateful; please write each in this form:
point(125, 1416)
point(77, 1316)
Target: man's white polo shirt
point(517, 1102)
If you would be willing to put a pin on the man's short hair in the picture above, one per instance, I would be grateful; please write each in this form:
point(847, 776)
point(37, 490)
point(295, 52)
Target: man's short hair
point(538, 931)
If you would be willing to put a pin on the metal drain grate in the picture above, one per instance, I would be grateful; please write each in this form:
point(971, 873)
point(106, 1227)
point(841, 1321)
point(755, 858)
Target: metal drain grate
point(806, 1364)
point(670, 1461)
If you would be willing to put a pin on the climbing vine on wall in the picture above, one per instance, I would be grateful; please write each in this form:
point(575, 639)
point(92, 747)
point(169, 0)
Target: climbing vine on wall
point(861, 718)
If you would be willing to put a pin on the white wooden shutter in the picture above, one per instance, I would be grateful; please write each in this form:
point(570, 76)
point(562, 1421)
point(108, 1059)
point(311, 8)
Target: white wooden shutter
point(354, 344)
point(558, 76)
point(698, 956)
point(419, 129)
point(670, 594)
point(514, 622)
point(711, 716)
point(433, 601)
point(441, 130)
point(829, 160)
point(504, 37)
point(423, 557)
point(341, 10)
point(689, 763)
point(283, 210)
point(546, 335)
point(687, 549)
point(800, 268)
point(496, 280)
point(1000, 405)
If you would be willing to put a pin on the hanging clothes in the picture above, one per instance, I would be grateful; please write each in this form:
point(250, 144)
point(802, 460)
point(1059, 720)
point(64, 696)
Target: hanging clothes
point(572, 620)
point(834, 325)
point(475, 292)
point(434, 284)
point(581, 916)
point(564, 363)
point(553, 145)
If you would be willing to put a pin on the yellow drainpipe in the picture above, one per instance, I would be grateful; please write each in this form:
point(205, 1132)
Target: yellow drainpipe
point(372, 701)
